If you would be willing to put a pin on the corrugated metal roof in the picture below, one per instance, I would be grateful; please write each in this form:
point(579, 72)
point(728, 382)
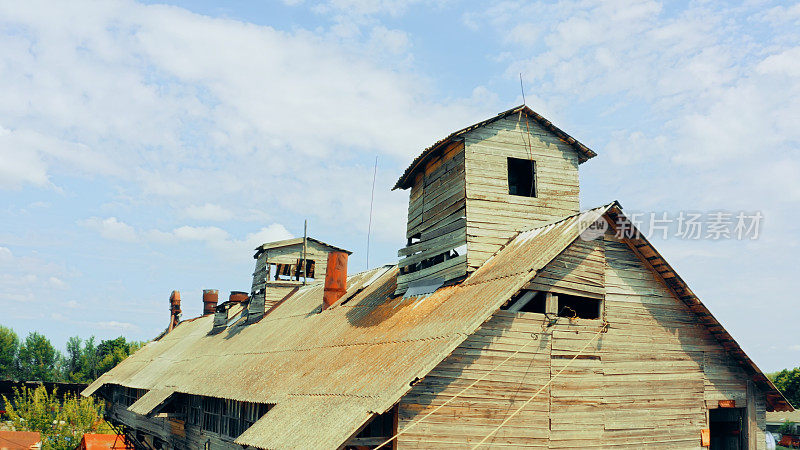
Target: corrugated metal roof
point(151, 400)
point(584, 152)
point(358, 357)
point(328, 372)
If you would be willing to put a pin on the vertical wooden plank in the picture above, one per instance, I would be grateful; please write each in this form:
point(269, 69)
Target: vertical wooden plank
point(753, 433)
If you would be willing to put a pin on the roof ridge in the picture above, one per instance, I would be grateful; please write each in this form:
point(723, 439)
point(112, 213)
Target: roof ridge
point(584, 152)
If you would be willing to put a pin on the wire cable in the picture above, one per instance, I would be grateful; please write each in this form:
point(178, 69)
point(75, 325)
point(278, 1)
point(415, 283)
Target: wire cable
point(415, 423)
point(602, 329)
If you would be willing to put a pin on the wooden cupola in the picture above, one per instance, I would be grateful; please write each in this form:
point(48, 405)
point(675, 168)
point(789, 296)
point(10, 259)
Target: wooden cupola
point(475, 189)
point(282, 267)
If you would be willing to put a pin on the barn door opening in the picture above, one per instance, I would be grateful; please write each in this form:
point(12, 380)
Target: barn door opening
point(728, 428)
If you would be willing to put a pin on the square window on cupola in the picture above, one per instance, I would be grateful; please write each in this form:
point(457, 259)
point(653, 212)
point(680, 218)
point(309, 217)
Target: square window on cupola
point(522, 177)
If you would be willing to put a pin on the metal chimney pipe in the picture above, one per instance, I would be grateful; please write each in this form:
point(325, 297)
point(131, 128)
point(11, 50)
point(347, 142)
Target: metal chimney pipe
point(238, 296)
point(210, 299)
point(335, 278)
point(174, 309)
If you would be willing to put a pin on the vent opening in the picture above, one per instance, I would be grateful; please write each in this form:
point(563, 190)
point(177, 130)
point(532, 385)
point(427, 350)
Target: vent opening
point(573, 306)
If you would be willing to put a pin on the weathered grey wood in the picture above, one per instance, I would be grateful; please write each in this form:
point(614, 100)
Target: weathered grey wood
point(645, 382)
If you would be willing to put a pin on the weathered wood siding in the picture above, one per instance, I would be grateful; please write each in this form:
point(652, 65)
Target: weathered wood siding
point(648, 380)
point(494, 216)
point(436, 218)
point(474, 414)
point(276, 290)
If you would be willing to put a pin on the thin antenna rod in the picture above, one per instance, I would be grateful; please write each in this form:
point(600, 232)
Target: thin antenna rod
point(522, 88)
point(305, 261)
point(371, 201)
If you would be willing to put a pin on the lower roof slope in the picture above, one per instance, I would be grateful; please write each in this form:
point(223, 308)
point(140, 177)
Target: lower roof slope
point(328, 372)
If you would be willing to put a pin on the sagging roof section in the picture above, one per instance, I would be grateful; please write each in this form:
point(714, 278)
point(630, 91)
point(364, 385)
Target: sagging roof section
point(359, 357)
point(584, 152)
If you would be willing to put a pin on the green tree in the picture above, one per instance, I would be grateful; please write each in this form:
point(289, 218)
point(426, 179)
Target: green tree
point(9, 347)
point(38, 359)
point(62, 423)
point(85, 361)
point(112, 352)
point(788, 381)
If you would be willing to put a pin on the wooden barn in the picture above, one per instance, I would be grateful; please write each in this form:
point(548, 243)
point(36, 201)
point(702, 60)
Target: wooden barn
point(512, 320)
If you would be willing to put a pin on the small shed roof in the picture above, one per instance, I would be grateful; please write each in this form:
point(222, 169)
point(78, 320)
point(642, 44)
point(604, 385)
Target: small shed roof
point(783, 416)
point(297, 241)
point(20, 440)
point(103, 442)
point(584, 152)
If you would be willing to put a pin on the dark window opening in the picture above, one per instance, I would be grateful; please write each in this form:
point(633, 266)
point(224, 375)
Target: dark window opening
point(573, 306)
point(522, 177)
point(377, 431)
point(307, 267)
point(527, 301)
point(292, 272)
point(223, 416)
point(128, 396)
point(211, 410)
point(430, 262)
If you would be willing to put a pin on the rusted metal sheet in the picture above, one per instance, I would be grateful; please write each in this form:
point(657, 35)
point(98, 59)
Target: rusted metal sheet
point(335, 278)
point(238, 296)
point(210, 299)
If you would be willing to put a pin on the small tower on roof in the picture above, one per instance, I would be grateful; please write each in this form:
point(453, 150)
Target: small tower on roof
point(475, 189)
point(280, 267)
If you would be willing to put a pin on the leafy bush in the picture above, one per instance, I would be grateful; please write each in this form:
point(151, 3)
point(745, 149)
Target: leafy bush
point(786, 428)
point(62, 423)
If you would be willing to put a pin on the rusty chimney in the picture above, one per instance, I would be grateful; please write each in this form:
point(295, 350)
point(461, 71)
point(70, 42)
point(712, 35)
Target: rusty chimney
point(210, 299)
point(335, 278)
point(174, 309)
point(238, 296)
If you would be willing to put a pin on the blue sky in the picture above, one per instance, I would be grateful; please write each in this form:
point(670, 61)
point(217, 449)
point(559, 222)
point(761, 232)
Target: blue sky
point(146, 147)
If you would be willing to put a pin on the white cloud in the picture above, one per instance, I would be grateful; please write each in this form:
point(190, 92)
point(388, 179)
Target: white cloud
point(785, 63)
point(208, 212)
point(20, 164)
point(214, 237)
point(274, 232)
point(57, 283)
point(111, 228)
point(6, 255)
point(208, 234)
point(216, 111)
